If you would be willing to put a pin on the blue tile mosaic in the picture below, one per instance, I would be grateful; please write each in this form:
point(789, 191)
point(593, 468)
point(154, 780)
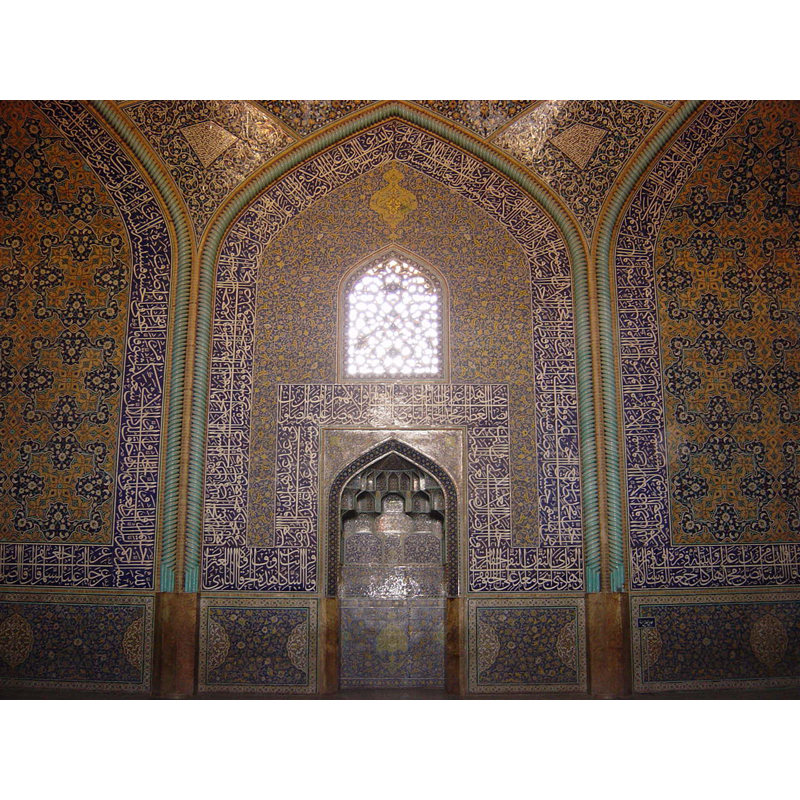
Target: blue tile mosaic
point(128, 562)
point(681, 535)
point(715, 641)
point(530, 645)
point(267, 646)
point(54, 641)
point(230, 562)
point(392, 643)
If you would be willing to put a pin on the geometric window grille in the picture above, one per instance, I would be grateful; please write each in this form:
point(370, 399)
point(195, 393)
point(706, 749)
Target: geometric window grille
point(393, 321)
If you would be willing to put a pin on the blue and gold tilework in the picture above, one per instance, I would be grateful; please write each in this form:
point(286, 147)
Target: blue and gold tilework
point(708, 330)
point(526, 645)
point(392, 644)
point(716, 641)
point(209, 146)
point(85, 267)
point(261, 646)
point(579, 147)
point(54, 641)
point(275, 323)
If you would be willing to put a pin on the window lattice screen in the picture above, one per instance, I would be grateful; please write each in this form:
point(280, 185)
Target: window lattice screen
point(393, 326)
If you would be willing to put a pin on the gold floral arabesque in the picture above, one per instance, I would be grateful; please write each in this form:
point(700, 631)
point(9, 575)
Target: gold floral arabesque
point(393, 202)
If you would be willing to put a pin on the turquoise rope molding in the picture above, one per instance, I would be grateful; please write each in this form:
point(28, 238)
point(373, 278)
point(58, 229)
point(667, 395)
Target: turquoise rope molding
point(606, 327)
point(179, 327)
point(208, 259)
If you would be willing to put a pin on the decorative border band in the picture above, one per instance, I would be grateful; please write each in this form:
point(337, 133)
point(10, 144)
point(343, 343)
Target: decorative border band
point(606, 349)
point(179, 217)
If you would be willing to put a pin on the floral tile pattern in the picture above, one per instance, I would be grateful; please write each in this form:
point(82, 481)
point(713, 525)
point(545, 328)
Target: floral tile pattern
point(526, 645)
point(686, 642)
point(54, 641)
point(545, 554)
point(65, 266)
point(707, 327)
point(258, 645)
point(392, 643)
point(87, 270)
point(536, 140)
point(726, 272)
point(306, 116)
point(209, 146)
point(482, 117)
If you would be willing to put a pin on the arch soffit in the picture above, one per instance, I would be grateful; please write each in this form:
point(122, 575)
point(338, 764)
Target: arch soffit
point(547, 203)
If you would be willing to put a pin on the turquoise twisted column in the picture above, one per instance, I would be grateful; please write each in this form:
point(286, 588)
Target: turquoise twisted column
point(180, 323)
point(606, 325)
point(588, 448)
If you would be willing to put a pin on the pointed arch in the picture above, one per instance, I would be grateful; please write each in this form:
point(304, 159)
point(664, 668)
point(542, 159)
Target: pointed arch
point(397, 133)
point(620, 206)
point(166, 253)
point(334, 527)
point(659, 177)
point(613, 568)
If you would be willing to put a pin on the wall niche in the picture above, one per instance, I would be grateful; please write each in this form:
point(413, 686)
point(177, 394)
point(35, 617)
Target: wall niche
point(393, 521)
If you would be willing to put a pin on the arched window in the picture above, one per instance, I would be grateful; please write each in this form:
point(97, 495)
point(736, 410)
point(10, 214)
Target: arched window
point(393, 313)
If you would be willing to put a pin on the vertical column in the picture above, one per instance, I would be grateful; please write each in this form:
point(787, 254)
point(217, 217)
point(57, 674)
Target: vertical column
point(177, 631)
point(329, 628)
point(455, 640)
point(608, 641)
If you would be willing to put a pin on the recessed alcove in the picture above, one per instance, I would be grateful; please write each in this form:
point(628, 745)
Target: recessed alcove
point(393, 520)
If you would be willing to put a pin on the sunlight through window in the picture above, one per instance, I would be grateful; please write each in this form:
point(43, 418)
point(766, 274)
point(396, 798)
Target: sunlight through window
point(394, 322)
